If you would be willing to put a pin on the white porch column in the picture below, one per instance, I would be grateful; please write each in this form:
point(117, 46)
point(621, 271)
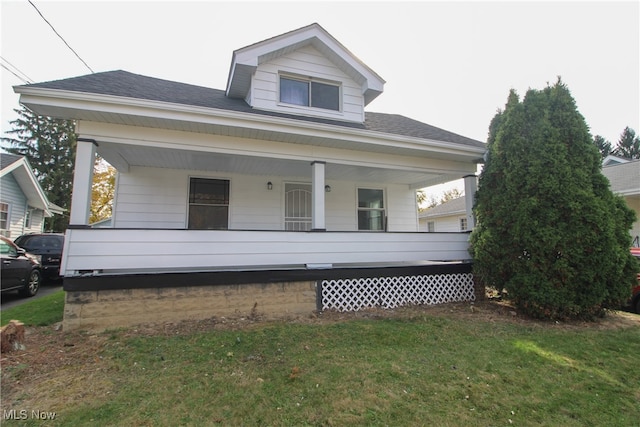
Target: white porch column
point(470, 188)
point(317, 196)
point(82, 181)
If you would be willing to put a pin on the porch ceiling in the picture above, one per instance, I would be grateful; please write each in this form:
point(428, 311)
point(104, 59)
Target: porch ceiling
point(123, 156)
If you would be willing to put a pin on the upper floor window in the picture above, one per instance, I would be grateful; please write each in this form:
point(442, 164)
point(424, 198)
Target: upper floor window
point(309, 93)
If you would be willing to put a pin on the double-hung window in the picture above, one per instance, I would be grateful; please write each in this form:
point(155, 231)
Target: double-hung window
point(371, 212)
point(208, 204)
point(309, 93)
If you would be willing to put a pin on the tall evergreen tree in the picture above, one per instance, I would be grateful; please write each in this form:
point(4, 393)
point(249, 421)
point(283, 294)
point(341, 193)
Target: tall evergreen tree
point(628, 145)
point(603, 145)
point(49, 145)
point(550, 231)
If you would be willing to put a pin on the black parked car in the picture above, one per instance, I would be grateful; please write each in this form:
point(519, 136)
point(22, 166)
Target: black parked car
point(47, 247)
point(20, 271)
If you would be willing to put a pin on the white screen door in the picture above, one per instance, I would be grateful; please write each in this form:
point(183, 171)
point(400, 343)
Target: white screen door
point(297, 207)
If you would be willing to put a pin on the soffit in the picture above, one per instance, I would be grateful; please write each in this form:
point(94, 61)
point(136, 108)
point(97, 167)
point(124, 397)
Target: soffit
point(125, 156)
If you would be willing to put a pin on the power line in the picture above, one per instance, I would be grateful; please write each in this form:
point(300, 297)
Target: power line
point(24, 78)
point(11, 71)
point(61, 38)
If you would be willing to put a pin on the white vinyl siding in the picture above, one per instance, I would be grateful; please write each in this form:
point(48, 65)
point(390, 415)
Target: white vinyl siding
point(122, 251)
point(151, 198)
point(308, 62)
point(402, 210)
point(13, 196)
point(444, 224)
point(158, 198)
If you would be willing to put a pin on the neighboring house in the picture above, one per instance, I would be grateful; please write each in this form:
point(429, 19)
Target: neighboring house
point(624, 177)
point(279, 186)
point(23, 204)
point(612, 160)
point(450, 216)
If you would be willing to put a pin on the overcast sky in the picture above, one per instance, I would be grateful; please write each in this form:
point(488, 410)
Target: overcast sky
point(447, 64)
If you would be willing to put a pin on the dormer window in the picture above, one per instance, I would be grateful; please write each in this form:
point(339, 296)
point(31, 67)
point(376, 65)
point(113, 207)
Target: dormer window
point(309, 92)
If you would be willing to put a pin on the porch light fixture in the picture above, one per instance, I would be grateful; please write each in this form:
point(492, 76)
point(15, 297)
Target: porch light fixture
point(327, 188)
point(269, 186)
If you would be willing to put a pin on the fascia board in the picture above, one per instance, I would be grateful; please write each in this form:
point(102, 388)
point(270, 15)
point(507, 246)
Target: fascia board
point(13, 166)
point(629, 192)
point(189, 113)
point(443, 214)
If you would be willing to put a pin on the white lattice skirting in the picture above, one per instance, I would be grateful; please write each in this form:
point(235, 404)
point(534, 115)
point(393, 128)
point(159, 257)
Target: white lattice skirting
point(391, 292)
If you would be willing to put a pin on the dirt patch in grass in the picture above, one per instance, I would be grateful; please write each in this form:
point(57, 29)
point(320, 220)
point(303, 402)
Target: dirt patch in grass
point(57, 368)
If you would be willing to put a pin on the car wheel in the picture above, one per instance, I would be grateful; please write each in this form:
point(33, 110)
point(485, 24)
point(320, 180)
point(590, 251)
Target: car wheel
point(33, 284)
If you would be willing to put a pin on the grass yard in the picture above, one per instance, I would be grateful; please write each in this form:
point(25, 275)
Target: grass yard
point(40, 312)
point(432, 366)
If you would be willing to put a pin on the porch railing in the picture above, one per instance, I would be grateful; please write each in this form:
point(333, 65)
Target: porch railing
point(113, 251)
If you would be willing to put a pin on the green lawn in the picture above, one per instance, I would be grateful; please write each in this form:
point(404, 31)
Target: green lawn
point(430, 370)
point(39, 312)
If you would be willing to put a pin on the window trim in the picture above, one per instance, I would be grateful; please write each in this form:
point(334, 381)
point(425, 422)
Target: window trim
point(309, 80)
point(383, 209)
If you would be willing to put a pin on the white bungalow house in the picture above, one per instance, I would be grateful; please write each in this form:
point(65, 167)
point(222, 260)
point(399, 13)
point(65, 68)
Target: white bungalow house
point(278, 194)
point(23, 203)
point(624, 178)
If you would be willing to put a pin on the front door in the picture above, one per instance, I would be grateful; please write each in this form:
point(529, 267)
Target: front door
point(297, 207)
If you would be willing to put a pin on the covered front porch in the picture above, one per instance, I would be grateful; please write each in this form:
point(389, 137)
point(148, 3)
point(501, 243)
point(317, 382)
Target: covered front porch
point(152, 231)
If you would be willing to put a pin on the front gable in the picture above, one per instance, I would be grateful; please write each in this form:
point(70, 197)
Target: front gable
point(309, 56)
point(23, 204)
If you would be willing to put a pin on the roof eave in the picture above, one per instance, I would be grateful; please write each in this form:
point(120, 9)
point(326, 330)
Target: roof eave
point(70, 101)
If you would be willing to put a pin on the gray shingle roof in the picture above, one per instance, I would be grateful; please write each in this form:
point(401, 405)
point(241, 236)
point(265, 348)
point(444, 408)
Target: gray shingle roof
point(7, 159)
point(624, 177)
point(125, 84)
point(451, 207)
